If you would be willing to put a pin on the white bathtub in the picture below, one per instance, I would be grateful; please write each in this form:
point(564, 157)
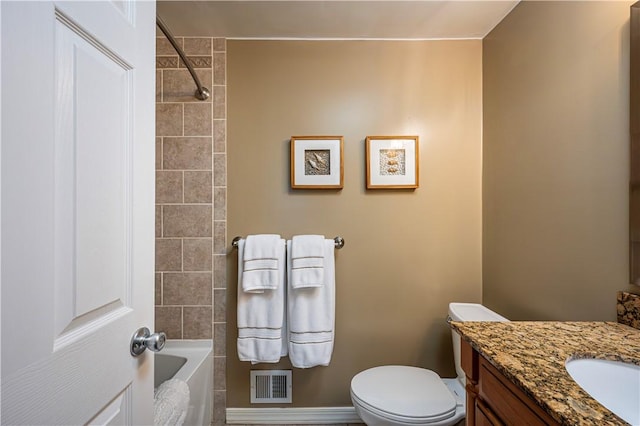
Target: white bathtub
point(191, 361)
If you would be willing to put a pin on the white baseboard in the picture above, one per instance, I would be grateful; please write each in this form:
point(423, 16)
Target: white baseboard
point(293, 415)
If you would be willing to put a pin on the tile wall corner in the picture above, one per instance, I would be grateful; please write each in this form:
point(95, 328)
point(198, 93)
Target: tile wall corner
point(190, 294)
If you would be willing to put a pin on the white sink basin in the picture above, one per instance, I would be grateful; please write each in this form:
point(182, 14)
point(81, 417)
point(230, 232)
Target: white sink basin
point(616, 385)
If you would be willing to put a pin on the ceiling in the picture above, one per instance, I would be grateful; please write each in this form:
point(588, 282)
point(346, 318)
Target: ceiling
point(334, 19)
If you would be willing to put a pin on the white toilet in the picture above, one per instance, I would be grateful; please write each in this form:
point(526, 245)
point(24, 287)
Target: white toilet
point(402, 395)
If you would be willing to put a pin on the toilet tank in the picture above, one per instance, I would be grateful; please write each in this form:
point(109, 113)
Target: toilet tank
point(468, 312)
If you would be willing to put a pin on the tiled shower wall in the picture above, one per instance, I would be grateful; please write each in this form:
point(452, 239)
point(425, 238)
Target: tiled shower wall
point(191, 199)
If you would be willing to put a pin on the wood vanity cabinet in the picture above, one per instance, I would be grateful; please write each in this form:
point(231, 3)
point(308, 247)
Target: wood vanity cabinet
point(492, 399)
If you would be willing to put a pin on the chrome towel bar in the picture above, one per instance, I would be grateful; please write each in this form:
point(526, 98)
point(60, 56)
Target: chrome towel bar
point(339, 242)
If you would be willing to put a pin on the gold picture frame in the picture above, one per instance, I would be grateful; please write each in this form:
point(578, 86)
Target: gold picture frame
point(392, 162)
point(317, 162)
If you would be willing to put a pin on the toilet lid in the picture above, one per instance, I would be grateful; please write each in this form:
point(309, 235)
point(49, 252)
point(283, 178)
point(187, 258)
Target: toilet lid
point(402, 391)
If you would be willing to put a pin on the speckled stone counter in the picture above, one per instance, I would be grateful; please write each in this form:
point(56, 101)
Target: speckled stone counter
point(533, 354)
point(628, 306)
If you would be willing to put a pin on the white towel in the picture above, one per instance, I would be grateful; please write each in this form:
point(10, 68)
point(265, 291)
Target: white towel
point(170, 403)
point(307, 261)
point(312, 316)
point(260, 263)
point(261, 316)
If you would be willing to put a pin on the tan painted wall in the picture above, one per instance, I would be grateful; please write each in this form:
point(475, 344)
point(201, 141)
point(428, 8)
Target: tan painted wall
point(408, 253)
point(555, 160)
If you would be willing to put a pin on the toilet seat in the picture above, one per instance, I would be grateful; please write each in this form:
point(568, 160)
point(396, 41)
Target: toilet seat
point(403, 394)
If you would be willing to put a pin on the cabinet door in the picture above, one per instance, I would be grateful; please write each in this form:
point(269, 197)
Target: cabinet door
point(506, 400)
point(486, 417)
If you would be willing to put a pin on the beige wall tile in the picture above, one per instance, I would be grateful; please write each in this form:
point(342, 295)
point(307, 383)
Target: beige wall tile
point(189, 288)
point(168, 254)
point(168, 119)
point(219, 339)
point(220, 305)
point(219, 169)
point(169, 187)
point(166, 62)
point(197, 187)
point(158, 153)
point(219, 237)
point(158, 86)
point(169, 320)
point(219, 407)
point(184, 158)
point(198, 62)
point(197, 119)
point(197, 254)
point(197, 46)
point(219, 44)
point(220, 135)
point(158, 221)
point(220, 68)
point(219, 102)
point(219, 373)
point(186, 221)
point(219, 271)
point(197, 322)
point(219, 203)
point(178, 86)
point(186, 153)
point(158, 288)
point(164, 48)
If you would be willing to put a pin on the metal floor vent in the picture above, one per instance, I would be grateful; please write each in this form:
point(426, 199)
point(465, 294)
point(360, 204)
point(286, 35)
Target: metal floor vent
point(270, 386)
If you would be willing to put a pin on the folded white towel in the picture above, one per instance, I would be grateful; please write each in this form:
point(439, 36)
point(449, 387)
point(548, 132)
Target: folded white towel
point(262, 246)
point(312, 317)
point(260, 263)
point(261, 316)
point(260, 349)
point(170, 403)
point(307, 261)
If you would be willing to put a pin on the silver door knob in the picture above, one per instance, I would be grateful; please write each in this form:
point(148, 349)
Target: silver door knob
point(143, 339)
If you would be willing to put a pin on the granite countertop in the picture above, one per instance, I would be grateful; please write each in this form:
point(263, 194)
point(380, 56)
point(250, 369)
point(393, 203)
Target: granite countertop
point(532, 354)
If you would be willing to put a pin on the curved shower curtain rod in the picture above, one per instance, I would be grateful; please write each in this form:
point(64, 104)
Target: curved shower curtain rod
point(202, 93)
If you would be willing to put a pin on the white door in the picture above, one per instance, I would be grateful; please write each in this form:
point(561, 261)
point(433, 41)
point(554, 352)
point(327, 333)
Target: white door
point(77, 203)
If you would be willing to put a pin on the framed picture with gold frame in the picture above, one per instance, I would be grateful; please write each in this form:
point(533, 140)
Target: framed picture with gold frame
point(316, 162)
point(392, 162)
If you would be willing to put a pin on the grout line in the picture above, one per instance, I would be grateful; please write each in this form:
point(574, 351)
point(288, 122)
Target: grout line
point(212, 179)
point(181, 323)
point(213, 213)
point(195, 306)
point(182, 255)
point(183, 187)
point(186, 204)
point(180, 103)
point(173, 237)
point(186, 170)
point(190, 137)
